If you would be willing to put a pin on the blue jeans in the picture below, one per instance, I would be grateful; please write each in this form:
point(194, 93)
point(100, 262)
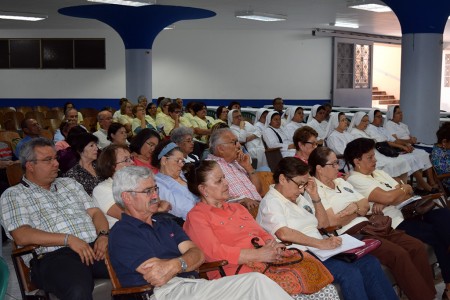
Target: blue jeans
point(362, 279)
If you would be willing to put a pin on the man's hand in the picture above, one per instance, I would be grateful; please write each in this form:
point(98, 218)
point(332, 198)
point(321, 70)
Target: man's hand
point(100, 246)
point(157, 271)
point(83, 249)
point(244, 160)
point(164, 206)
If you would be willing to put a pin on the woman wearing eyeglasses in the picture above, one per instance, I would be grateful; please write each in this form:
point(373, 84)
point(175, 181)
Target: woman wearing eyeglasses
point(405, 256)
point(142, 147)
point(169, 159)
point(292, 211)
point(184, 138)
point(112, 159)
point(305, 141)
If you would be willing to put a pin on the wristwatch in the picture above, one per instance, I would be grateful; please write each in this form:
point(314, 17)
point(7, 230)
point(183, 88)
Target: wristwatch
point(102, 233)
point(184, 265)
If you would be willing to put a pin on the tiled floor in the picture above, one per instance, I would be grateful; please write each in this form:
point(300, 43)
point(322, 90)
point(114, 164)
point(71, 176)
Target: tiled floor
point(13, 292)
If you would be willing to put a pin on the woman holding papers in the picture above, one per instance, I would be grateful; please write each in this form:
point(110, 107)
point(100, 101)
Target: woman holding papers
point(405, 256)
point(292, 215)
point(384, 194)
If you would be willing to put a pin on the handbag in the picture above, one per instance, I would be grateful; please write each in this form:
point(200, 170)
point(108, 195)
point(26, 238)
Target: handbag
point(387, 150)
point(297, 273)
point(356, 253)
point(417, 208)
point(379, 225)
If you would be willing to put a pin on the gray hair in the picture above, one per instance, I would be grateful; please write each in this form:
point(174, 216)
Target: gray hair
point(216, 138)
point(66, 113)
point(164, 102)
point(141, 97)
point(27, 152)
point(177, 135)
point(127, 179)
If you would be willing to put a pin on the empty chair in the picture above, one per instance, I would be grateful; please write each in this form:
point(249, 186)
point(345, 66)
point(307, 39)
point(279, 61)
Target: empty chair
point(11, 137)
point(88, 112)
point(54, 114)
point(12, 119)
point(41, 108)
point(24, 109)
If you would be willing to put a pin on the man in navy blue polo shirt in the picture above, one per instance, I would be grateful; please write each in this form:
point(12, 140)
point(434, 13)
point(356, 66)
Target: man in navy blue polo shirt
point(144, 249)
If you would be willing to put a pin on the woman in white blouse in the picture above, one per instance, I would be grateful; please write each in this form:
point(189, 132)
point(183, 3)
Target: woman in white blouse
point(249, 136)
point(316, 120)
point(397, 167)
point(275, 137)
point(294, 120)
point(405, 256)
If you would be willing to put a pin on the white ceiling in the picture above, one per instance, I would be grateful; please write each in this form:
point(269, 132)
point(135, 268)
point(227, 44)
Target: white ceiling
point(303, 15)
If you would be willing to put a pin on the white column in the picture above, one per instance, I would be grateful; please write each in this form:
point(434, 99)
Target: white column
point(420, 86)
point(138, 73)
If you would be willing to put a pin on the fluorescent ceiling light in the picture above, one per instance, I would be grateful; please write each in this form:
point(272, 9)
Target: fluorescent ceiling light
point(169, 27)
point(126, 2)
point(344, 24)
point(9, 15)
point(258, 16)
point(370, 5)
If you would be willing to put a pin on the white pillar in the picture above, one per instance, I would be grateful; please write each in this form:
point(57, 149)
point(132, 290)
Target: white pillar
point(138, 73)
point(420, 87)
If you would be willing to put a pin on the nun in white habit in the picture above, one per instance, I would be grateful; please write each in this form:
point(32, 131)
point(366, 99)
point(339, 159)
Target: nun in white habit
point(397, 167)
point(249, 136)
point(260, 120)
point(316, 120)
point(275, 137)
point(294, 121)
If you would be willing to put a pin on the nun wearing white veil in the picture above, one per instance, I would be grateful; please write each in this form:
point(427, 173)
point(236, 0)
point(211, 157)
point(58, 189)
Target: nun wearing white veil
point(399, 168)
point(275, 137)
point(316, 120)
point(249, 136)
point(294, 121)
point(260, 120)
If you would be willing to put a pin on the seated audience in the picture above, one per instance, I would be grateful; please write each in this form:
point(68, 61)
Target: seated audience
point(68, 157)
point(118, 112)
point(400, 131)
point(117, 134)
point(189, 113)
point(249, 136)
point(440, 154)
point(305, 141)
point(57, 214)
point(142, 251)
point(384, 194)
point(69, 105)
point(169, 160)
point(294, 121)
point(201, 122)
point(223, 230)
point(292, 211)
point(163, 113)
point(222, 114)
point(84, 172)
point(357, 129)
point(139, 122)
point(405, 256)
point(184, 138)
point(260, 119)
point(104, 118)
point(244, 182)
point(126, 116)
point(64, 128)
point(142, 101)
point(416, 162)
point(150, 115)
point(71, 116)
point(275, 137)
point(142, 147)
point(234, 105)
point(316, 120)
point(31, 129)
point(278, 106)
point(175, 120)
point(113, 158)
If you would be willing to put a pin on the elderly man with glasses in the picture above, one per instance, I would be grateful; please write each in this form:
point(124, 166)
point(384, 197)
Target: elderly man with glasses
point(147, 249)
point(244, 184)
point(57, 214)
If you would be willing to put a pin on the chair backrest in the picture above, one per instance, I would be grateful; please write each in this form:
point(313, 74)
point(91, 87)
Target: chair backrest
point(90, 123)
point(47, 134)
point(24, 109)
point(41, 108)
point(266, 179)
point(54, 114)
point(438, 178)
point(53, 124)
point(10, 136)
point(37, 115)
point(88, 112)
point(273, 156)
point(112, 274)
point(22, 270)
point(14, 173)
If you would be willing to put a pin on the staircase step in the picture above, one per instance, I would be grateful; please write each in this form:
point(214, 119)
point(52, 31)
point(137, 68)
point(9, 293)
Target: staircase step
point(389, 102)
point(383, 97)
point(374, 88)
point(378, 93)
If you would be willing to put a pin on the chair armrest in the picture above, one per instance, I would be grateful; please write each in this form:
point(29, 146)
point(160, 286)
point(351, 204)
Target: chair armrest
point(133, 290)
point(24, 250)
point(443, 176)
point(212, 266)
point(432, 196)
point(273, 149)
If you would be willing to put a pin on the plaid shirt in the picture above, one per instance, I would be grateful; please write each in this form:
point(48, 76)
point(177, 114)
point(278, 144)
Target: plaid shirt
point(62, 209)
point(239, 182)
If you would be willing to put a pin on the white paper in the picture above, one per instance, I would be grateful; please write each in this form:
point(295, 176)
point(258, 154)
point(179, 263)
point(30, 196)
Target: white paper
point(348, 242)
point(408, 201)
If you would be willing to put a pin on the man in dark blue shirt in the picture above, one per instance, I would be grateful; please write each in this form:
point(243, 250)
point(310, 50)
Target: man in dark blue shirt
point(144, 249)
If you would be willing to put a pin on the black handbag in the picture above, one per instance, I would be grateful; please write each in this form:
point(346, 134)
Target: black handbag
point(387, 150)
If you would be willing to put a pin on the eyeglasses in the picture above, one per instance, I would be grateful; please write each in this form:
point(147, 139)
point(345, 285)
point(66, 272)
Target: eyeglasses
point(313, 144)
point(47, 160)
point(148, 192)
point(299, 185)
point(232, 142)
point(126, 160)
point(179, 161)
point(188, 141)
point(333, 163)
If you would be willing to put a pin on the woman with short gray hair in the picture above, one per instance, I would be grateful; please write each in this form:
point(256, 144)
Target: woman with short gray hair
point(184, 138)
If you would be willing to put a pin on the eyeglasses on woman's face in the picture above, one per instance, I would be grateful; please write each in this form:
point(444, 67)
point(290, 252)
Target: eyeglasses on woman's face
point(128, 159)
point(179, 161)
point(301, 185)
point(313, 144)
point(333, 163)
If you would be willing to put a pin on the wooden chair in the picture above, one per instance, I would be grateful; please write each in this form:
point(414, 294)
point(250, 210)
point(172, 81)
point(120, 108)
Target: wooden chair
point(12, 137)
point(445, 193)
point(24, 109)
point(88, 112)
point(248, 116)
point(266, 179)
point(102, 287)
point(38, 116)
point(12, 120)
point(14, 173)
point(47, 134)
point(54, 114)
point(90, 123)
point(119, 292)
point(41, 108)
point(273, 156)
point(53, 124)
